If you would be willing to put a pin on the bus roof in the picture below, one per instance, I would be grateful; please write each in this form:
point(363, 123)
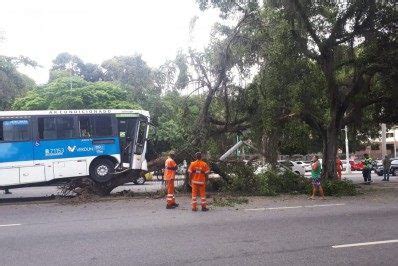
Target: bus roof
point(72, 112)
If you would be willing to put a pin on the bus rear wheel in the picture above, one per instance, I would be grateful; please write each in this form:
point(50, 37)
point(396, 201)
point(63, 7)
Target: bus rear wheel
point(102, 170)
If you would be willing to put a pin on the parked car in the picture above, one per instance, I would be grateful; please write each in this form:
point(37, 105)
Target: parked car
point(308, 168)
point(306, 165)
point(379, 169)
point(356, 166)
point(296, 168)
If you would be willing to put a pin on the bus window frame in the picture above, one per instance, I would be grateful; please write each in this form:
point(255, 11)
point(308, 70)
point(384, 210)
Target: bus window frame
point(30, 122)
point(114, 127)
point(37, 131)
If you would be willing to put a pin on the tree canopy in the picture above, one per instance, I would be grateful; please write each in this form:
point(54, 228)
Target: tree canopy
point(13, 84)
point(75, 93)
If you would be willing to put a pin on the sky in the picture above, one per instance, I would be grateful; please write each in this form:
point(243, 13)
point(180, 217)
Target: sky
point(96, 30)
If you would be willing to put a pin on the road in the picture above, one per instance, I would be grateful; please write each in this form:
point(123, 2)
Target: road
point(284, 230)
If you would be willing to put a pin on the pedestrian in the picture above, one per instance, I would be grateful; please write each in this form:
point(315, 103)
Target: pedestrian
point(339, 167)
point(198, 175)
point(367, 169)
point(170, 170)
point(316, 170)
point(386, 168)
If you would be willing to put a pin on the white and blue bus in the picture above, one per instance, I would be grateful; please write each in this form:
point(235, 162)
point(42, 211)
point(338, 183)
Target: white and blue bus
point(39, 147)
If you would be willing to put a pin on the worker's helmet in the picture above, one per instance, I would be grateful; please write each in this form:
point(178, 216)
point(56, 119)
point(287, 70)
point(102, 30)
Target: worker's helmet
point(198, 155)
point(172, 153)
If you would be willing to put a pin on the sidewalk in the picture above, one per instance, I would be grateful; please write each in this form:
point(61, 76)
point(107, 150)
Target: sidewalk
point(155, 185)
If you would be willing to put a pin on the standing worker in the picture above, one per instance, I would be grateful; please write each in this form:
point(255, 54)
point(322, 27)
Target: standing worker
point(366, 172)
point(386, 168)
point(316, 170)
point(339, 167)
point(198, 174)
point(170, 170)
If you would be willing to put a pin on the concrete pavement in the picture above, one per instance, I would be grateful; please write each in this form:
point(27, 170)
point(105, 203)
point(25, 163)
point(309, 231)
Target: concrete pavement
point(284, 230)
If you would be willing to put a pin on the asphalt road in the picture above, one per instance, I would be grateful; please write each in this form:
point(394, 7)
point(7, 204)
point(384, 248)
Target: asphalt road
point(284, 230)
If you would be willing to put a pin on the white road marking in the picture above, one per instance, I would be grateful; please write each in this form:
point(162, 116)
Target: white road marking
point(287, 207)
point(8, 225)
point(296, 207)
point(366, 244)
point(324, 205)
point(256, 209)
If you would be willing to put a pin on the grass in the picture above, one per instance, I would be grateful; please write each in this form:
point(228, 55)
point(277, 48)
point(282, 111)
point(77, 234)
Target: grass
point(229, 201)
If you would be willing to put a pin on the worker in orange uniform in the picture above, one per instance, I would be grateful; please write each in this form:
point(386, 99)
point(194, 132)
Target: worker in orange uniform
point(339, 167)
point(169, 176)
point(198, 174)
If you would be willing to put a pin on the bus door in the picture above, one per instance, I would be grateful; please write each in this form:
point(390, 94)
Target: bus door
point(140, 145)
point(16, 153)
point(127, 131)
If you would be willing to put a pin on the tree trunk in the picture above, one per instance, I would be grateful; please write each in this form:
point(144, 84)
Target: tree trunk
point(330, 151)
point(269, 147)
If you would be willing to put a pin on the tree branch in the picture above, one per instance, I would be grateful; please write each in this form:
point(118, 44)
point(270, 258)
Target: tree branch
point(307, 23)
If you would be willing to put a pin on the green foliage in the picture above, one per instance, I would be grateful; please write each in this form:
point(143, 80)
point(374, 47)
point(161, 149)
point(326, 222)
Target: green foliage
point(229, 201)
point(286, 182)
point(13, 84)
point(75, 93)
point(339, 188)
point(134, 74)
point(66, 64)
point(269, 183)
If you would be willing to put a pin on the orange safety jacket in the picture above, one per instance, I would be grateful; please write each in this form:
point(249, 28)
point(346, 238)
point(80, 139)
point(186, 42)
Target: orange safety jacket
point(170, 168)
point(198, 171)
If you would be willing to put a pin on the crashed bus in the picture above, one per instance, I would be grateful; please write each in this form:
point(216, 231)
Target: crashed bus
point(41, 147)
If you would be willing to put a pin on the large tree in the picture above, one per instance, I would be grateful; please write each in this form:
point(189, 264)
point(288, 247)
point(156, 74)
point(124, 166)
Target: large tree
point(13, 84)
point(66, 64)
point(349, 51)
point(75, 93)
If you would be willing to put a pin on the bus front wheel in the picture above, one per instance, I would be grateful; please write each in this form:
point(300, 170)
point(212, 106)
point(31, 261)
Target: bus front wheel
point(101, 170)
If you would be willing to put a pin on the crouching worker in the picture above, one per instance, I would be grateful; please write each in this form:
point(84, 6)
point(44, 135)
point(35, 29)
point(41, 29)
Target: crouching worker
point(198, 175)
point(316, 170)
point(169, 176)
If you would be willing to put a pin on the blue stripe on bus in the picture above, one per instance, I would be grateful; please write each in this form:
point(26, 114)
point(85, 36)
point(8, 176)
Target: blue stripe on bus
point(16, 151)
point(57, 149)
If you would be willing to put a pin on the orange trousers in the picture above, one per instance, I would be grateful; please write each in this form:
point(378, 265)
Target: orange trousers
point(201, 190)
point(170, 192)
point(339, 174)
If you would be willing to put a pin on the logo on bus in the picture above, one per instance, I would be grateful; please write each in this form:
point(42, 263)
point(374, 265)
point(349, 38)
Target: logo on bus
point(99, 148)
point(71, 149)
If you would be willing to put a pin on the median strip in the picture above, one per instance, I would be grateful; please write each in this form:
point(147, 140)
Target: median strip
point(366, 244)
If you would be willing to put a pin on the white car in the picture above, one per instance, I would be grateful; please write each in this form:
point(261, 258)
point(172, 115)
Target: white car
point(306, 165)
point(294, 166)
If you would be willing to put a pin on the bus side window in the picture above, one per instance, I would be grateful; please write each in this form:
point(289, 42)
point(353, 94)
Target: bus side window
point(14, 130)
point(65, 128)
point(56, 128)
point(95, 126)
point(85, 127)
point(47, 128)
point(103, 126)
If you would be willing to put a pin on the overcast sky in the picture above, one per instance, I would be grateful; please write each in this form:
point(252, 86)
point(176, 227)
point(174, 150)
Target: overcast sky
point(96, 30)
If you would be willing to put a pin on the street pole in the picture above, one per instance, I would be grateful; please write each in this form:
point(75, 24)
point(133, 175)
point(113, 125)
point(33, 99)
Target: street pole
point(383, 141)
point(347, 153)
